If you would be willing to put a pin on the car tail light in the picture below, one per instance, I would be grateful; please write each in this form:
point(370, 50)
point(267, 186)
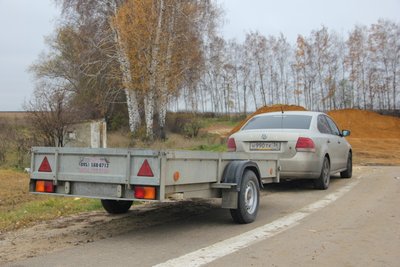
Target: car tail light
point(305, 144)
point(44, 186)
point(145, 192)
point(231, 144)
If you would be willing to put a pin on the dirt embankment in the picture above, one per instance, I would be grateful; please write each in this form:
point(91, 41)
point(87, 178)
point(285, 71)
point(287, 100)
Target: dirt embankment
point(367, 124)
point(375, 138)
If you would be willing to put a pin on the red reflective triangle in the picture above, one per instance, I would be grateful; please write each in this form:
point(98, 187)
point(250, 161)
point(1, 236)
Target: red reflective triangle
point(145, 170)
point(45, 166)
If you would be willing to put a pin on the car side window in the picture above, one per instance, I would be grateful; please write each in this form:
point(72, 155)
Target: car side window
point(332, 124)
point(323, 125)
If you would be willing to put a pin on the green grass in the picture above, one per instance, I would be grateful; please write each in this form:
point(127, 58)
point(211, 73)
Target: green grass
point(45, 209)
point(224, 121)
point(213, 147)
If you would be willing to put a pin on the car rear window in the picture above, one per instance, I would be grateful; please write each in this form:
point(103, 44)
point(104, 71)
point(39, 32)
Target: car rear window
point(279, 122)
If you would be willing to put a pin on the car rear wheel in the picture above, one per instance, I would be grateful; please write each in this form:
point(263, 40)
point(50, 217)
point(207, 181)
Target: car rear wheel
point(322, 182)
point(349, 171)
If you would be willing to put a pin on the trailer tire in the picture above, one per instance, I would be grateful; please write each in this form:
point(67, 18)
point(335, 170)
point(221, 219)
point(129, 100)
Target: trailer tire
point(116, 206)
point(248, 199)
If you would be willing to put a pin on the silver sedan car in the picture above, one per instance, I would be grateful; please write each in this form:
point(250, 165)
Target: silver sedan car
point(309, 144)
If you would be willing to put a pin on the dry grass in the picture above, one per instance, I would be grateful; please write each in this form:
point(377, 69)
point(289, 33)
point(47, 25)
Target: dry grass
point(13, 190)
point(173, 141)
point(15, 118)
point(118, 139)
point(19, 208)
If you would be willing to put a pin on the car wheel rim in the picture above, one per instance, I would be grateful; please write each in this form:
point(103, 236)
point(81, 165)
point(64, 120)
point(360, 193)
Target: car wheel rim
point(250, 197)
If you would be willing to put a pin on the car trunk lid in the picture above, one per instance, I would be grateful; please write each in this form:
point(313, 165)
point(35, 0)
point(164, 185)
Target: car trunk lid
point(281, 141)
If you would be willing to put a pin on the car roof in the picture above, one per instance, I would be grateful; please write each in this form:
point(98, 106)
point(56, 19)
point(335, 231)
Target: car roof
point(298, 112)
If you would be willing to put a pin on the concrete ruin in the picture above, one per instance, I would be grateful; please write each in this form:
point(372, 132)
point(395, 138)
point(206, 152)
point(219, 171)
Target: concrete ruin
point(87, 134)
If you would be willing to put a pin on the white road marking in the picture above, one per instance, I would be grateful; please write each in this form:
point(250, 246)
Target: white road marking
point(218, 250)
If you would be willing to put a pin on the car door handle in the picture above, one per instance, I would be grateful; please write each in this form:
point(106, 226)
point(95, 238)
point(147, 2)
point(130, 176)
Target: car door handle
point(338, 142)
point(329, 141)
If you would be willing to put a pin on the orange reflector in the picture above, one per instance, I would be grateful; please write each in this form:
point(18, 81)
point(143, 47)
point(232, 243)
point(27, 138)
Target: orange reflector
point(45, 166)
point(145, 170)
point(145, 192)
point(44, 186)
point(177, 175)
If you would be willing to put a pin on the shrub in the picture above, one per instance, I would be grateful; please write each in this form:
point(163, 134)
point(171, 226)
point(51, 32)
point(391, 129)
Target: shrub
point(192, 127)
point(187, 124)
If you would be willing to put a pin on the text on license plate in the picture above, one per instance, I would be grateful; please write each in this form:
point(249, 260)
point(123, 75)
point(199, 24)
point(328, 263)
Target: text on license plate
point(265, 146)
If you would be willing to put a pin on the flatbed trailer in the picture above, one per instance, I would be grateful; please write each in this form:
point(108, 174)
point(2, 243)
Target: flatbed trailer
point(120, 176)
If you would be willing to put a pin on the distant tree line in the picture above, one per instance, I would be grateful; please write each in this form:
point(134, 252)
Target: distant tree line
point(322, 71)
point(139, 58)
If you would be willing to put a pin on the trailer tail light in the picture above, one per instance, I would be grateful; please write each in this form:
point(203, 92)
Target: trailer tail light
point(145, 170)
point(45, 166)
point(44, 186)
point(231, 144)
point(305, 144)
point(145, 192)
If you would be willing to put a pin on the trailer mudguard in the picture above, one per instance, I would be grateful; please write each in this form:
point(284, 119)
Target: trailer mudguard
point(234, 171)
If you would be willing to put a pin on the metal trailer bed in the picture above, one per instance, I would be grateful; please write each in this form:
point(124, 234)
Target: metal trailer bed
point(120, 176)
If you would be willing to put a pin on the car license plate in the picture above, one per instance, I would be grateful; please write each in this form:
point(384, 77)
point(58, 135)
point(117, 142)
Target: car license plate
point(265, 146)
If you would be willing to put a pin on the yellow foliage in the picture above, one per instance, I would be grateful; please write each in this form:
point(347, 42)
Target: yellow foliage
point(178, 48)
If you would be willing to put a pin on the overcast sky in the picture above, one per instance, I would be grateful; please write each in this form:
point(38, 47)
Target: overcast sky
point(24, 23)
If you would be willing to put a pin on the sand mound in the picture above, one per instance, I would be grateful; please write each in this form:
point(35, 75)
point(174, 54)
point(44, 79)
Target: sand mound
point(367, 124)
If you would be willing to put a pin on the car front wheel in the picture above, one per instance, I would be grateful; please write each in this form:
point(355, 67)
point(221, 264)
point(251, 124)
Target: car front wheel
point(349, 168)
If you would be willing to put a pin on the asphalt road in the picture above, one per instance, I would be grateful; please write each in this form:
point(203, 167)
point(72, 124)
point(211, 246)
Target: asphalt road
point(356, 222)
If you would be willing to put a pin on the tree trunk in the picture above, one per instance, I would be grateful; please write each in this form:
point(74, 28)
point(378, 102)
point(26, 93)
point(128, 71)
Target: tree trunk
point(133, 109)
point(394, 89)
point(149, 112)
point(149, 96)
point(162, 113)
point(262, 84)
point(244, 99)
point(125, 67)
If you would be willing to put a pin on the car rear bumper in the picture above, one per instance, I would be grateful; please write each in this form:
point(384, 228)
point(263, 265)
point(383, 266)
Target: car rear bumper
point(304, 165)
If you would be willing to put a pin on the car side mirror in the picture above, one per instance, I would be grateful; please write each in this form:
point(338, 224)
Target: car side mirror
point(345, 133)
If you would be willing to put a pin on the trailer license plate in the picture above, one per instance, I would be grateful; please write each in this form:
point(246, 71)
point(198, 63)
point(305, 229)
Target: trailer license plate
point(265, 146)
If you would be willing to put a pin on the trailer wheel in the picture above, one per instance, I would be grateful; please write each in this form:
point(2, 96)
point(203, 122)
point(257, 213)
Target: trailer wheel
point(248, 199)
point(116, 206)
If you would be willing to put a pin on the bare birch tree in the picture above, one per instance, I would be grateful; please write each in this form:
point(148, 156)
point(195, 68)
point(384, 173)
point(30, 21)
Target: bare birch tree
point(102, 14)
